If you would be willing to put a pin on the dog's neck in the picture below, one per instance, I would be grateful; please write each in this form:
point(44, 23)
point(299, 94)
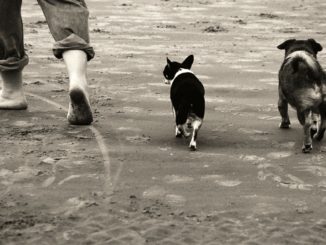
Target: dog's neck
point(181, 71)
point(299, 53)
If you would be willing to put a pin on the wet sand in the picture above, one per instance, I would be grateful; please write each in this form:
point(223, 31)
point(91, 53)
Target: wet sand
point(127, 179)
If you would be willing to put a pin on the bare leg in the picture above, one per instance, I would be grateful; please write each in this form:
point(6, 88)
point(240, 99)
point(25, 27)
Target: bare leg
point(307, 144)
point(283, 109)
point(12, 96)
point(79, 107)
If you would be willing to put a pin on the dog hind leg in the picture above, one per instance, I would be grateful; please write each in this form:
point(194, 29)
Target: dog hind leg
point(196, 126)
point(314, 127)
point(283, 109)
point(181, 130)
point(320, 134)
point(181, 119)
point(302, 118)
point(307, 143)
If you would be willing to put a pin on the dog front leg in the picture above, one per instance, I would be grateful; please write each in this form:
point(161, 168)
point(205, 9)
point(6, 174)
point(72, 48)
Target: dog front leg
point(307, 144)
point(181, 124)
point(178, 133)
point(283, 109)
point(196, 126)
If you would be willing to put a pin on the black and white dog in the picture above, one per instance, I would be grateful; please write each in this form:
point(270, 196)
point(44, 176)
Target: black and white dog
point(302, 84)
point(187, 97)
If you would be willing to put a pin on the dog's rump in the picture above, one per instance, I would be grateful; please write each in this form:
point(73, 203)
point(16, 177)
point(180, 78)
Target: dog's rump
point(301, 78)
point(303, 64)
point(187, 96)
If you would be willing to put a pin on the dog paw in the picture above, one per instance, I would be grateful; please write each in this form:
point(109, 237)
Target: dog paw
point(306, 148)
point(178, 135)
point(285, 125)
point(193, 146)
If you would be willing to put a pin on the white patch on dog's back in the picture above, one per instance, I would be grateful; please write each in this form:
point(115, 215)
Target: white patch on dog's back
point(181, 71)
point(308, 58)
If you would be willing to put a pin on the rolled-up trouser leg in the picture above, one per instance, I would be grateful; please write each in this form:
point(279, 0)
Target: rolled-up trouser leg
point(68, 23)
point(12, 54)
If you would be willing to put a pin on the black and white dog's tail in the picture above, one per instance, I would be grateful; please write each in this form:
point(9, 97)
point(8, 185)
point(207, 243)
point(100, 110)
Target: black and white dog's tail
point(186, 107)
point(182, 112)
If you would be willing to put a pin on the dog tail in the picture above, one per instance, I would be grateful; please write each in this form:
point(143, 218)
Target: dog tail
point(304, 64)
point(307, 66)
point(182, 113)
point(299, 64)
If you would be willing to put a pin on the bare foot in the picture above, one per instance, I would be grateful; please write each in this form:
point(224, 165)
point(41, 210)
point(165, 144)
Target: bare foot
point(80, 112)
point(13, 101)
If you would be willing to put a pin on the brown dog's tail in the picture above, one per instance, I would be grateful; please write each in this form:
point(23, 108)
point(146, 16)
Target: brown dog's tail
point(299, 64)
point(305, 66)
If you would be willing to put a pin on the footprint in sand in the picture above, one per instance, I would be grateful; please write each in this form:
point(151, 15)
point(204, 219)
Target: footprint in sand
point(268, 118)
point(23, 173)
point(129, 129)
point(138, 139)
point(292, 182)
point(157, 192)
point(133, 109)
point(175, 200)
point(177, 179)
point(253, 131)
point(23, 124)
point(288, 145)
point(154, 192)
point(221, 180)
point(252, 158)
point(279, 155)
point(316, 170)
point(49, 181)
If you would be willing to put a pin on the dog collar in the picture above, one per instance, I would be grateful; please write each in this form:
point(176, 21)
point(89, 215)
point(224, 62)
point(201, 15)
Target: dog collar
point(181, 71)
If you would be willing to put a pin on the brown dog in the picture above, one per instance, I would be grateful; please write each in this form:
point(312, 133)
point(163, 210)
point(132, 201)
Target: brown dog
point(302, 84)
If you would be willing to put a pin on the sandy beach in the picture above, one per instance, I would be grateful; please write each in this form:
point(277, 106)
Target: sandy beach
point(126, 179)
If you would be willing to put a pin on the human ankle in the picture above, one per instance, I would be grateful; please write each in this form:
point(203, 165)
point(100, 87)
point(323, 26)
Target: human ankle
point(12, 83)
point(78, 82)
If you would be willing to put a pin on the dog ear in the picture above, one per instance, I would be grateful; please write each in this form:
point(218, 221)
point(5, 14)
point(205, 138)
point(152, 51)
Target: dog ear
point(316, 46)
point(187, 63)
point(169, 62)
point(286, 44)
